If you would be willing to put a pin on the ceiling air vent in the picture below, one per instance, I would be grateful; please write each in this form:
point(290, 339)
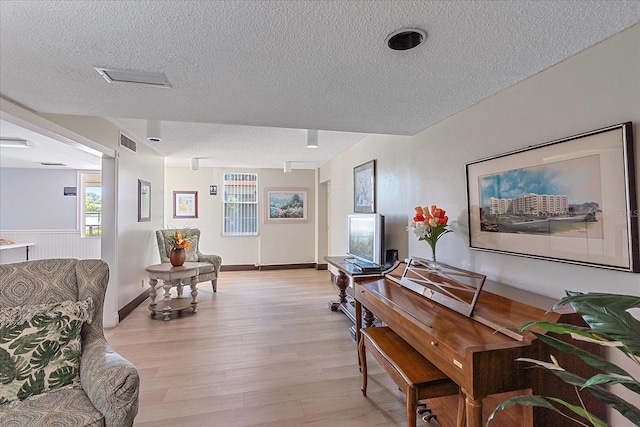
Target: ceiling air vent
point(128, 143)
point(136, 77)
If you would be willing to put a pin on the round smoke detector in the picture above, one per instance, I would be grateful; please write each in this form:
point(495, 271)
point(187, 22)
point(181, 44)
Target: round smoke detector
point(406, 38)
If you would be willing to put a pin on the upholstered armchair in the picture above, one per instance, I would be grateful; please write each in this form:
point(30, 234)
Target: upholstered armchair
point(209, 272)
point(107, 391)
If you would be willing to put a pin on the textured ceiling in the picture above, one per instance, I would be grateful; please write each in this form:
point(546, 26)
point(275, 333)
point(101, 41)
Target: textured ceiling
point(283, 66)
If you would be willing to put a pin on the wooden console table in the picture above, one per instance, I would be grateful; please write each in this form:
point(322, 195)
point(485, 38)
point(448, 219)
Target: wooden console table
point(170, 275)
point(347, 271)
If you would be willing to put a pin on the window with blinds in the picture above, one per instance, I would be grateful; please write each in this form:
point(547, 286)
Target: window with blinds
point(240, 204)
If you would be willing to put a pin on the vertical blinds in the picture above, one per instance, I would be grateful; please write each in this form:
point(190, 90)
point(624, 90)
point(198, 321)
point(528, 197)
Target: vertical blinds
point(240, 204)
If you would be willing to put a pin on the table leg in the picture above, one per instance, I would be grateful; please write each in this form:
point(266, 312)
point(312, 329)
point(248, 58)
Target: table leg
point(180, 288)
point(152, 292)
point(166, 309)
point(194, 293)
point(342, 282)
point(368, 318)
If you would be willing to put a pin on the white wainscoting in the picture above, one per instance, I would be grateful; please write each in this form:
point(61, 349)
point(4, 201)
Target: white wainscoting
point(49, 244)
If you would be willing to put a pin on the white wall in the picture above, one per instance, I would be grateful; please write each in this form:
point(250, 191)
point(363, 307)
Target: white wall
point(276, 244)
point(594, 89)
point(134, 241)
point(26, 193)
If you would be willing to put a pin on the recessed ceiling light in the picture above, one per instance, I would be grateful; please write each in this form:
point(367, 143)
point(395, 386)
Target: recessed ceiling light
point(144, 78)
point(15, 143)
point(406, 38)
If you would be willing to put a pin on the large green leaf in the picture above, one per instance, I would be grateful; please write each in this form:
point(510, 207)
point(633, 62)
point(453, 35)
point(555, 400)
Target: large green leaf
point(34, 385)
point(609, 380)
point(27, 342)
point(626, 409)
point(7, 367)
point(561, 328)
point(590, 358)
point(62, 376)
point(543, 402)
point(72, 353)
point(45, 353)
point(69, 331)
point(607, 314)
point(9, 333)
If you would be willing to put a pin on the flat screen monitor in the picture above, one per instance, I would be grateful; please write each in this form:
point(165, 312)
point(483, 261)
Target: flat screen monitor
point(365, 238)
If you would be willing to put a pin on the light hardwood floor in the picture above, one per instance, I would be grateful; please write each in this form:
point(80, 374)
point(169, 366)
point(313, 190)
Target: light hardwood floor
point(262, 351)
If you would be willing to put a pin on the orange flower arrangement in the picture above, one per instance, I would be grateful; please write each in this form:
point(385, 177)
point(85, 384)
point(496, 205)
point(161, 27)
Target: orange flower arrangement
point(430, 225)
point(180, 242)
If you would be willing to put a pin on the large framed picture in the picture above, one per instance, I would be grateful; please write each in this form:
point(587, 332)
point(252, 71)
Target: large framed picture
point(185, 204)
point(285, 205)
point(364, 188)
point(572, 200)
point(144, 201)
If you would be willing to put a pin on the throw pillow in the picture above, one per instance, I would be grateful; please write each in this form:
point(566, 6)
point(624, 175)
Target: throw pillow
point(192, 252)
point(40, 347)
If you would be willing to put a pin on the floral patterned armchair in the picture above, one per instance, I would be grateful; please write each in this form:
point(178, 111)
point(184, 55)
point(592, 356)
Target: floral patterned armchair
point(107, 391)
point(165, 240)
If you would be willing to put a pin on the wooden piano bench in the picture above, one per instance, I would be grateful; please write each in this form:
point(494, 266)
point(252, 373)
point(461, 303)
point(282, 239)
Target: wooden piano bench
point(416, 377)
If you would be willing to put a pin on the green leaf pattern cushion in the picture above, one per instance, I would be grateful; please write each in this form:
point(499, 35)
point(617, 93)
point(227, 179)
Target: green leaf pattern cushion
point(40, 347)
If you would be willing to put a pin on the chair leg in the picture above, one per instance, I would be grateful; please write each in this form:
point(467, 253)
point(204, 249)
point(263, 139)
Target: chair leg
point(363, 364)
point(214, 284)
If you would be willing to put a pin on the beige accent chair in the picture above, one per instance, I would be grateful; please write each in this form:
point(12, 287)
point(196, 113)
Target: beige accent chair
point(109, 384)
point(210, 272)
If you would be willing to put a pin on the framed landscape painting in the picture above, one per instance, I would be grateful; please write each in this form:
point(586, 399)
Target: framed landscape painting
point(285, 205)
point(572, 200)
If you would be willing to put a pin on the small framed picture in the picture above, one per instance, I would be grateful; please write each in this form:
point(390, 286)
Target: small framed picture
point(185, 204)
point(364, 188)
point(144, 201)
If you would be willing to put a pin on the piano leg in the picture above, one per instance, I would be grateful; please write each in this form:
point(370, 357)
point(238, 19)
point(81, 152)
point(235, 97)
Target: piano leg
point(473, 411)
point(462, 418)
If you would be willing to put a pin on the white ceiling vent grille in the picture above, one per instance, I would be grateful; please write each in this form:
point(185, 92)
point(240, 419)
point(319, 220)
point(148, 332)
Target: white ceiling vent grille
point(128, 143)
point(144, 78)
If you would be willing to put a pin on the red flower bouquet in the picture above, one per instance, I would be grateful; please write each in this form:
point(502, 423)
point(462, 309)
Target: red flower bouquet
point(430, 225)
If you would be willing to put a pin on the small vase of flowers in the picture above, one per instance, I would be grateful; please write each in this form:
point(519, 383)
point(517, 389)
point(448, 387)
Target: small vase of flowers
point(430, 225)
point(178, 253)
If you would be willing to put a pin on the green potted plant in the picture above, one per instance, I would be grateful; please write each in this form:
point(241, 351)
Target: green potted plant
point(609, 324)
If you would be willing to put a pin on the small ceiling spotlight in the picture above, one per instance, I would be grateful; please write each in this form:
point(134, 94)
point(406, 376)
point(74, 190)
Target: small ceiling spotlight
point(405, 38)
point(153, 131)
point(195, 164)
point(287, 167)
point(312, 138)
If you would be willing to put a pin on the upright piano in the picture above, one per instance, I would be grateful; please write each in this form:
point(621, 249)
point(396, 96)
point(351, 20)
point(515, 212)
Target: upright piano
point(477, 352)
